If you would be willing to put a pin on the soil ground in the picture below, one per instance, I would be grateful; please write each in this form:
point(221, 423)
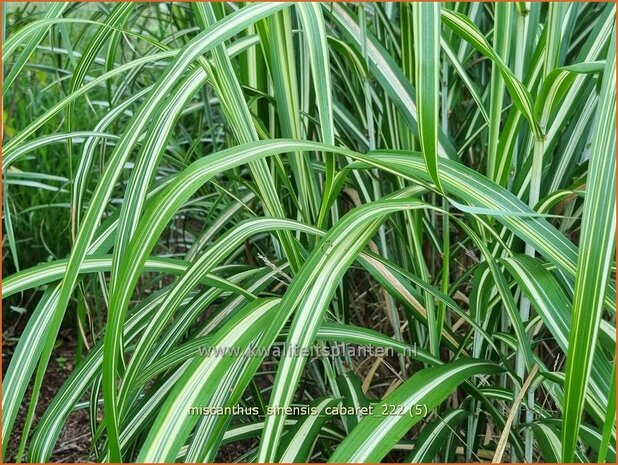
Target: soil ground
point(74, 442)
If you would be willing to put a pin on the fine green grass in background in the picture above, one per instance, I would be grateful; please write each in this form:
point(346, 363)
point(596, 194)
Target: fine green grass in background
point(277, 232)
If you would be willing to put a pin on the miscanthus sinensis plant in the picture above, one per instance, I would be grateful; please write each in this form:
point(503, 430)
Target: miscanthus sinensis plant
point(433, 179)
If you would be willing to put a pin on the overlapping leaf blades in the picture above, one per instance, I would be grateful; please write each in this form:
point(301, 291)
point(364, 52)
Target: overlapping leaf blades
point(223, 197)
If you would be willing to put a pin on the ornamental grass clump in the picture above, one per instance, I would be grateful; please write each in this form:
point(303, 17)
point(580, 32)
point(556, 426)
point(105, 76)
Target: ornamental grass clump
point(293, 232)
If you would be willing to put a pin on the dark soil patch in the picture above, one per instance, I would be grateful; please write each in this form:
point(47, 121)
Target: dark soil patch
point(74, 442)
